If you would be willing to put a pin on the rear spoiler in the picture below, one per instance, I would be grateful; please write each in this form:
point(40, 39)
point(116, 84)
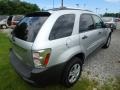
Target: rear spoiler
point(38, 14)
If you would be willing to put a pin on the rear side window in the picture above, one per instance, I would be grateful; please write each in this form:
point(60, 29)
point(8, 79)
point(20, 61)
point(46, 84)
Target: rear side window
point(86, 23)
point(63, 27)
point(98, 22)
point(29, 26)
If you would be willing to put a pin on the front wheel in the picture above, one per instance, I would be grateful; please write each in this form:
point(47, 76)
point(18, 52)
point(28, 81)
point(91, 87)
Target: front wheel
point(107, 44)
point(72, 72)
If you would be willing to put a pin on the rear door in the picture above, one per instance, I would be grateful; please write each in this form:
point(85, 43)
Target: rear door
point(24, 34)
point(88, 33)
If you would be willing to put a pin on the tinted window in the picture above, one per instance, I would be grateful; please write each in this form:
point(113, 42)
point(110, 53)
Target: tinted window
point(28, 27)
point(9, 20)
point(98, 22)
point(86, 23)
point(18, 18)
point(63, 27)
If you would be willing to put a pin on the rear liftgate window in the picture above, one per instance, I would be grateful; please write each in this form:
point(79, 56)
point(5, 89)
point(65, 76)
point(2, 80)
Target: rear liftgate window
point(29, 26)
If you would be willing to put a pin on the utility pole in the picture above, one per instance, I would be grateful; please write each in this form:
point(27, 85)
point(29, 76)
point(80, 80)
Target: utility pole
point(84, 5)
point(61, 3)
point(53, 4)
point(119, 14)
point(77, 5)
point(106, 10)
point(96, 10)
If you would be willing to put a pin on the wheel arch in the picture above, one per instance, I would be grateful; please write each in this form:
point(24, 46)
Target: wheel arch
point(80, 55)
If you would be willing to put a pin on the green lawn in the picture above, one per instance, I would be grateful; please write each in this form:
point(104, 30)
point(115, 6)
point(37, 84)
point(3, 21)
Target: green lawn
point(9, 80)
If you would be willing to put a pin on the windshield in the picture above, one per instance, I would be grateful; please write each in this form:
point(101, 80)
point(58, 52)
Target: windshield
point(28, 27)
point(107, 19)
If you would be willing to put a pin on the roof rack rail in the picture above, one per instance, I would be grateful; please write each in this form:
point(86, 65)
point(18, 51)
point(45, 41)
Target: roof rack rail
point(64, 8)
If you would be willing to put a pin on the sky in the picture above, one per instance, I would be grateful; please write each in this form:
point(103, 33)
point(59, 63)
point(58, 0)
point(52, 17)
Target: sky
point(101, 5)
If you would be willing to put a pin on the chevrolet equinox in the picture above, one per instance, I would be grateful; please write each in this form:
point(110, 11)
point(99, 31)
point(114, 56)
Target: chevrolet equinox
point(53, 45)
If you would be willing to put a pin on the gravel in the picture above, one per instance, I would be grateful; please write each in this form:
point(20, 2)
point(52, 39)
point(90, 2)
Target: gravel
point(104, 64)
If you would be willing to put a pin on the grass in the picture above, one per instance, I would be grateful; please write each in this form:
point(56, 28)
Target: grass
point(9, 80)
point(111, 85)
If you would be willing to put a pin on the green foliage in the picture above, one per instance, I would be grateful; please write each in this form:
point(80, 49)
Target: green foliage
point(9, 7)
point(112, 15)
point(110, 85)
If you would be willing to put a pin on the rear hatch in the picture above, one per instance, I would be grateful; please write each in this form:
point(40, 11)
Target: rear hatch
point(24, 34)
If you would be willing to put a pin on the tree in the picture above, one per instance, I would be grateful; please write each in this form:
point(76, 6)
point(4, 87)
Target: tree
point(9, 7)
point(112, 15)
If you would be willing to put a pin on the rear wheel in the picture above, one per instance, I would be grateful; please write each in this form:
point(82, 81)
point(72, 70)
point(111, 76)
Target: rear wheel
point(72, 72)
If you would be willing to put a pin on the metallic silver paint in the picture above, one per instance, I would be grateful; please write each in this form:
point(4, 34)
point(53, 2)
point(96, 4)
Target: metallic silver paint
point(62, 49)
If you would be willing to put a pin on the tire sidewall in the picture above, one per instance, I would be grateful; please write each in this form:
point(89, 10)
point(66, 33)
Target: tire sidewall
point(106, 45)
point(67, 71)
point(109, 38)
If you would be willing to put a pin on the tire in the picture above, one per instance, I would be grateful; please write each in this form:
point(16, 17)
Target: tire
point(107, 44)
point(112, 30)
point(70, 74)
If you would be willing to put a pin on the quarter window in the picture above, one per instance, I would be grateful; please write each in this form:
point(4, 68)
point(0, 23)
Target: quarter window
point(98, 22)
point(86, 23)
point(63, 27)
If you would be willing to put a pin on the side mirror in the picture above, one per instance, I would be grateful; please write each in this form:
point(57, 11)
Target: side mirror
point(106, 26)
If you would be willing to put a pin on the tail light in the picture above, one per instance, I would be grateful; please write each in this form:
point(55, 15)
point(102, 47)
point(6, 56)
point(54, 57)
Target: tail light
point(41, 58)
point(47, 59)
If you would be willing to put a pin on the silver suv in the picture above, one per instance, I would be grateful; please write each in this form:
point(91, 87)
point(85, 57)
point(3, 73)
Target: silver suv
point(52, 46)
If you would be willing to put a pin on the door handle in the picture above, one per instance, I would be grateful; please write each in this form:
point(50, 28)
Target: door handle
point(85, 37)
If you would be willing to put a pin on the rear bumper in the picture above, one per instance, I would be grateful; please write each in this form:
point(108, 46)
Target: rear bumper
point(35, 76)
